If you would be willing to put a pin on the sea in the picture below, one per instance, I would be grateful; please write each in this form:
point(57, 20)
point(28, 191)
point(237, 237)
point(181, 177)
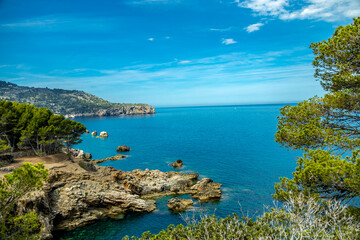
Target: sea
point(233, 145)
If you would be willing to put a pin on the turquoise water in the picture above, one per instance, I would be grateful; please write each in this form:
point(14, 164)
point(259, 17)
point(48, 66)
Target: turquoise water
point(233, 145)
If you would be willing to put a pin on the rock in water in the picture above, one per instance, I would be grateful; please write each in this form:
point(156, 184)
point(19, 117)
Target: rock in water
point(103, 134)
point(123, 148)
point(207, 190)
point(94, 133)
point(177, 163)
point(179, 205)
point(87, 131)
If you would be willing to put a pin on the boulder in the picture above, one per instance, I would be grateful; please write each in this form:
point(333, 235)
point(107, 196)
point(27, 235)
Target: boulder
point(177, 164)
point(123, 148)
point(87, 131)
point(179, 205)
point(88, 156)
point(94, 133)
point(206, 190)
point(103, 134)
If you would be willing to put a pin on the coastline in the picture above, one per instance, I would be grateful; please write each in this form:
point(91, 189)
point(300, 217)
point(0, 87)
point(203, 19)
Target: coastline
point(74, 197)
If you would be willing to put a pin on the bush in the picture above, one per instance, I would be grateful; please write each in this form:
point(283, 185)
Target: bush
point(299, 218)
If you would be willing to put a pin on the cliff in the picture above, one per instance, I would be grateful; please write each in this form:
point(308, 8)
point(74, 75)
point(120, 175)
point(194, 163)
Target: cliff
point(74, 197)
point(71, 103)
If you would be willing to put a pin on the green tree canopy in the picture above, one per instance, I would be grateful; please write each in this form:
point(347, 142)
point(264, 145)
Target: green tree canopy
point(327, 129)
point(24, 126)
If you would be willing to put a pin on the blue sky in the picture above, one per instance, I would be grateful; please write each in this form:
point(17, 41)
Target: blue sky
point(169, 52)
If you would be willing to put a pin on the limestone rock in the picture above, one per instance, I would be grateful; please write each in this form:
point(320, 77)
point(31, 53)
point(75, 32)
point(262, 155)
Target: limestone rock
point(94, 133)
point(179, 205)
point(123, 148)
point(177, 164)
point(103, 134)
point(114, 158)
point(207, 190)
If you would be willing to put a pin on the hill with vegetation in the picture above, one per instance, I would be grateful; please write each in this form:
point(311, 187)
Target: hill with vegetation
point(70, 103)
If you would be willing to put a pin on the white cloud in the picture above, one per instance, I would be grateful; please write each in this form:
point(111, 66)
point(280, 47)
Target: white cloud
point(254, 27)
point(244, 78)
point(151, 39)
point(327, 10)
point(184, 62)
point(228, 41)
point(221, 29)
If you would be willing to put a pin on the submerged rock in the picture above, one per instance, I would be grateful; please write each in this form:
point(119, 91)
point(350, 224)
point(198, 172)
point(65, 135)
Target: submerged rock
point(123, 148)
point(94, 133)
point(179, 205)
point(177, 164)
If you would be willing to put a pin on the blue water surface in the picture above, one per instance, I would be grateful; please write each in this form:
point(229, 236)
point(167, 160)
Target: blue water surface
point(233, 145)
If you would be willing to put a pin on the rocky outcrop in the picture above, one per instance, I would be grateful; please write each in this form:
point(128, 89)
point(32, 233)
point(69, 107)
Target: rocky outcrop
point(206, 190)
point(74, 197)
point(179, 205)
point(103, 134)
point(177, 164)
point(114, 158)
point(87, 131)
point(94, 133)
point(123, 148)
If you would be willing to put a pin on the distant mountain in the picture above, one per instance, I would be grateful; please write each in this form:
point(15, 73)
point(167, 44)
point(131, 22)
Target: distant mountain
point(71, 103)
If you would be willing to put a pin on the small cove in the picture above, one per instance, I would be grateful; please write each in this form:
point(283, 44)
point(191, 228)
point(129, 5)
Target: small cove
point(233, 145)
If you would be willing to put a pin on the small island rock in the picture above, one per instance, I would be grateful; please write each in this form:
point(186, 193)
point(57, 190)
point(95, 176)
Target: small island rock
point(123, 148)
point(103, 134)
point(94, 133)
point(207, 190)
point(87, 131)
point(179, 205)
point(177, 163)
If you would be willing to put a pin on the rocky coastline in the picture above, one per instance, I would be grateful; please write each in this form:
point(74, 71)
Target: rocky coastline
point(125, 110)
point(73, 196)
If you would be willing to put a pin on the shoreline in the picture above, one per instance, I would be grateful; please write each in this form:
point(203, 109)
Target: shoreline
point(73, 197)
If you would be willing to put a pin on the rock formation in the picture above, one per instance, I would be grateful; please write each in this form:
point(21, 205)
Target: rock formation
point(114, 158)
point(87, 131)
point(206, 190)
point(177, 164)
point(179, 205)
point(103, 134)
point(123, 148)
point(74, 197)
point(94, 133)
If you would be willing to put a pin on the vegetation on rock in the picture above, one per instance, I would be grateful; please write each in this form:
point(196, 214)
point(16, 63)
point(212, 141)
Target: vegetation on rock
point(14, 186)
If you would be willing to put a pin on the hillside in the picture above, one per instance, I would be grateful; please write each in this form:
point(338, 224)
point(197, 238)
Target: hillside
point(70, 103)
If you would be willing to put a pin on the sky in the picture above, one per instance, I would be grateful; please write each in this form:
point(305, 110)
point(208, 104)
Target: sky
point(170, 52)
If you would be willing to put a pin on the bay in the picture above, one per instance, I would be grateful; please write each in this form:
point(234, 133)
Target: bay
point(233, 145)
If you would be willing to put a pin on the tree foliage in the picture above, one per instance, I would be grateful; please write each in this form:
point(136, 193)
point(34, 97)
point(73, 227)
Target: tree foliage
point(327, 129)
point(14, 186)
point(298, 218)
point(23, 126)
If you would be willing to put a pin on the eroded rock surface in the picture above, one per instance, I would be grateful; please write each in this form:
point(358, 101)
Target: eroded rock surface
point(123, 148)
point(179, 205)
point(73, 197)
